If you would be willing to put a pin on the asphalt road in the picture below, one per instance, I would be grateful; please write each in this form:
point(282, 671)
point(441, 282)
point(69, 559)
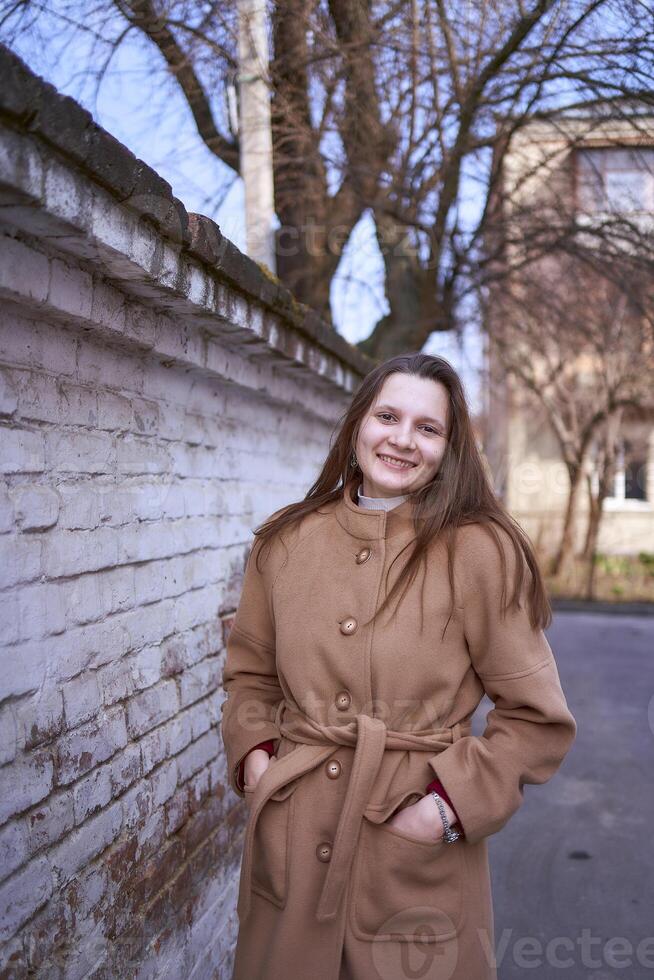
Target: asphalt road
point(573, 870)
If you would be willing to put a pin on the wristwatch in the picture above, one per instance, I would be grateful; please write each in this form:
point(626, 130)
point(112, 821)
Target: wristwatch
point(449, 835)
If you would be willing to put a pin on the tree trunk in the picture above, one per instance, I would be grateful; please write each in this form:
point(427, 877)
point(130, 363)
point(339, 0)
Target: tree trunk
point(415, 311)
point(565, 553)
point(606, 462)
point(592, 536)
point(314, 226)
point(595, 503)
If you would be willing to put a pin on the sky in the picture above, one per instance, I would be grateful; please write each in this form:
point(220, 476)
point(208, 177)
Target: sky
point(145, 111)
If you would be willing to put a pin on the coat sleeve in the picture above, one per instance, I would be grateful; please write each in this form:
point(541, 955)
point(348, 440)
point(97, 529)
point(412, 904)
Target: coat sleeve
point(530, 729)
point(250, 678)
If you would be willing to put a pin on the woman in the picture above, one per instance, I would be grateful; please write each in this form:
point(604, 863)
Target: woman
point(386, 603)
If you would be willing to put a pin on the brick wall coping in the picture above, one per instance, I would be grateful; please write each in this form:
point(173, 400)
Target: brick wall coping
point(165, 245)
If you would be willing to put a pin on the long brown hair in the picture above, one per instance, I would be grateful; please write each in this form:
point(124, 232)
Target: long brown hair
point(460, 492)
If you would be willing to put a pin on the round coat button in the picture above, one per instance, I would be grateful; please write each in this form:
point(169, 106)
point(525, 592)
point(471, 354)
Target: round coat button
point(333, 768)
point(343, 700)
point(324, 851)
point(349, 625)
point(363, 555)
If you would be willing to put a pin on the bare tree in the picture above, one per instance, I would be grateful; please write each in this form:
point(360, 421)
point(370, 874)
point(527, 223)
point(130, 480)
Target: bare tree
point(576, 335)
point(395, 109)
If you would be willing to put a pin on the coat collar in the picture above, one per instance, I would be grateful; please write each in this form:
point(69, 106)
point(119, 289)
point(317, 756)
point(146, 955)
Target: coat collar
point(369, 524)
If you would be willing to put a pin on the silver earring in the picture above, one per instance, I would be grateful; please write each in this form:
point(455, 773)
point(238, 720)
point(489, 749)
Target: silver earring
point(353, 459)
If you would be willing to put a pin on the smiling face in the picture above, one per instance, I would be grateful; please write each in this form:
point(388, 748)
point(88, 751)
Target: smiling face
point(408, 422)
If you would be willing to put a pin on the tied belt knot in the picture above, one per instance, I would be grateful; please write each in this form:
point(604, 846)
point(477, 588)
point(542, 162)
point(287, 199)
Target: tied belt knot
point(370, 738)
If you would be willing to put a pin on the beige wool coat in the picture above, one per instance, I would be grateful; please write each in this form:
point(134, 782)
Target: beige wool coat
point(364, 717)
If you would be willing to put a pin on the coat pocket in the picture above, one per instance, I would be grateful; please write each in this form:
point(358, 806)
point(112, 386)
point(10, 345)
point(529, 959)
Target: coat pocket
point(405, 889)
point(272, 846)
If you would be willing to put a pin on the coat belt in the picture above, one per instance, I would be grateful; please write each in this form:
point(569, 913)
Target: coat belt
point(370, 738)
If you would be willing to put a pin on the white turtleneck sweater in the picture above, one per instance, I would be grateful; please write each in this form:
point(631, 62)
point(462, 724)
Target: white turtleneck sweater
point(380, 503)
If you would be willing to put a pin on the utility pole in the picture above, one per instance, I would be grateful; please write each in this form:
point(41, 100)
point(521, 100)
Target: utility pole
point(255, 136)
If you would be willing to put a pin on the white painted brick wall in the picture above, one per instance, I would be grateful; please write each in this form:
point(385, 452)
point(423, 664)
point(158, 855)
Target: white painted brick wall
point(142, 436)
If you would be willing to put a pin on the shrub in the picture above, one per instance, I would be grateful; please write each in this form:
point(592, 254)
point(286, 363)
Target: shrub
point(646, 558)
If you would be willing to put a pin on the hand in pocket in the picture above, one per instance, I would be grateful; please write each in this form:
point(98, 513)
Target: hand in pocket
point(256, 763)
point(421, 820)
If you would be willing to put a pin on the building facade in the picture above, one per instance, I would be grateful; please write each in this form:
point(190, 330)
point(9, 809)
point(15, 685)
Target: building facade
point(585, 178)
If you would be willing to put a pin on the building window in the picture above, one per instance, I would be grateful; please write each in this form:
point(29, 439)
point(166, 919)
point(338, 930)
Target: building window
point(634, 472)
point(630, 482)
point(617, 179)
